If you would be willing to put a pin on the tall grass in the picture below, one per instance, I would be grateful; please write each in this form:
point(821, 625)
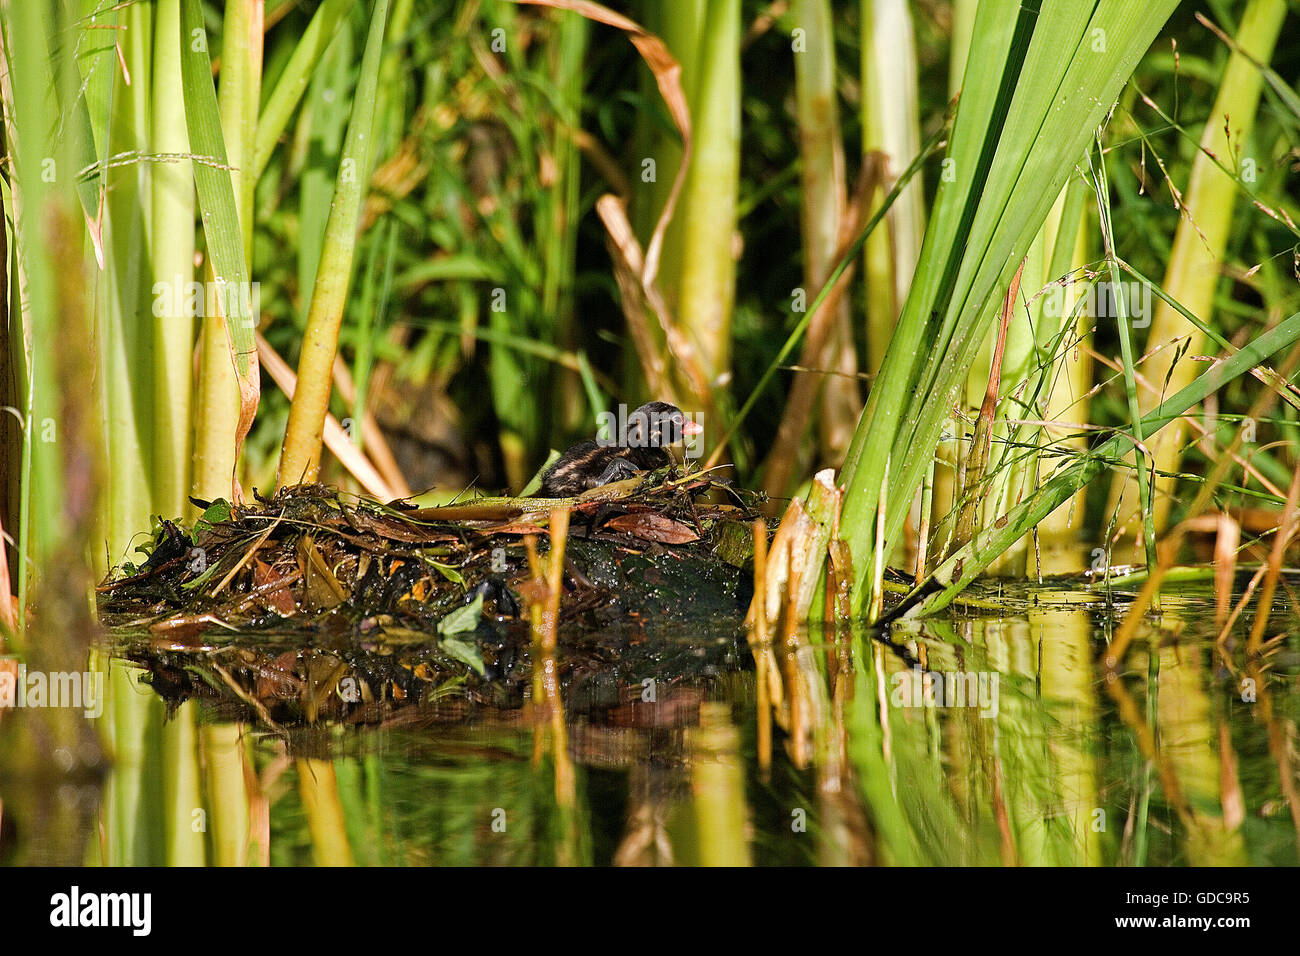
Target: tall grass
point(1010, 139)
point(1222, 173)
point(427, 194)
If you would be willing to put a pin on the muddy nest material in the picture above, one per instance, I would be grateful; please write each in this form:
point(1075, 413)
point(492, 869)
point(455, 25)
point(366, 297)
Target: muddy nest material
point(435, 593)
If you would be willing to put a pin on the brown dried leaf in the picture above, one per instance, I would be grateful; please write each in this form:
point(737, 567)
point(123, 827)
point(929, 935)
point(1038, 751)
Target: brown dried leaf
point(279, 598)
point(653, 527)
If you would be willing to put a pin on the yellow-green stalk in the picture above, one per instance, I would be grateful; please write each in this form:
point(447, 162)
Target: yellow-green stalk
point(890, 131)
point(708, 210)
point(822, 168)
point(139, 292)
point(821, 165)
point(300, 456)
point(228, 367)
point(680, 28)
point(1196, 262)
point(237, 101)
point(172, 253)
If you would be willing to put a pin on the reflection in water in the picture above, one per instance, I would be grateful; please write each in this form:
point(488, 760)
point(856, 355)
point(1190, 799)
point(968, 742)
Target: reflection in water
point(680, 749)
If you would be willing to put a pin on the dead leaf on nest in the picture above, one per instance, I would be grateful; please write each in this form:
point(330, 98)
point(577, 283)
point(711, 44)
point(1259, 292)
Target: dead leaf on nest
point(649, 526)
point(280, 599)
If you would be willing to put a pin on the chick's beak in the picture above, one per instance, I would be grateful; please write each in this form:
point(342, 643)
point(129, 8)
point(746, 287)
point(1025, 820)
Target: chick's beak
point(692, 428)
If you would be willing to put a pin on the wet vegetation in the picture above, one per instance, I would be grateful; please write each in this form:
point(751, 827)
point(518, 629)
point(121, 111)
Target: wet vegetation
point(982, 554)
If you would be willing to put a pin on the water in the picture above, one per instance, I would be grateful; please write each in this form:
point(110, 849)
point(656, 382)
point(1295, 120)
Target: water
point(1009, 746)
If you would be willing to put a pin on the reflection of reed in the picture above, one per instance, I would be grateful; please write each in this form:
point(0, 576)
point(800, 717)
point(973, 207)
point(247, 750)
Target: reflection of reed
point(230, 782)
point(1281, 734)
point(1187, 736)
point(182, 789)
point(650, 788)
point(1069, 695)
point(807, 693)
point(318, 789)
point(1144, 735)
point(845, 837)
point(543, 595)
point(761, 642)
point(718, 788)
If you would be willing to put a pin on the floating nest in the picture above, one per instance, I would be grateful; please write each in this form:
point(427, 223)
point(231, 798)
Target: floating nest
point(315, 604)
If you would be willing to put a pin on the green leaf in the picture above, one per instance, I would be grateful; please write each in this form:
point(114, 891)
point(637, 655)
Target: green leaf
point(463, 651)
point(448, 571)
point(1045, 80)
point(463, 620)
point(215, 513)
point(212, 182)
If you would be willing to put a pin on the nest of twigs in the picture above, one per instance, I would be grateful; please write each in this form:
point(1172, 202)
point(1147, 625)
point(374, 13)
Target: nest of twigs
point(315, 603)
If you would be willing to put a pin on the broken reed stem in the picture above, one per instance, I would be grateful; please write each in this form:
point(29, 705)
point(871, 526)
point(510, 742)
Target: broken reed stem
point(559, 528)
point(760, 579)
point(790, 643)
point(1225, 565)
point(829, 617)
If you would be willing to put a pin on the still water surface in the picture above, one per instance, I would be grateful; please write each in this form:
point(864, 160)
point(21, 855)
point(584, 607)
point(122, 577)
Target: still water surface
point(983, 737)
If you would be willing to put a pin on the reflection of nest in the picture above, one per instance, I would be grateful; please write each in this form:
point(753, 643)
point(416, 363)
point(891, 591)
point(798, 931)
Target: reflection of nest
point(274, 681)
point(310, 606)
